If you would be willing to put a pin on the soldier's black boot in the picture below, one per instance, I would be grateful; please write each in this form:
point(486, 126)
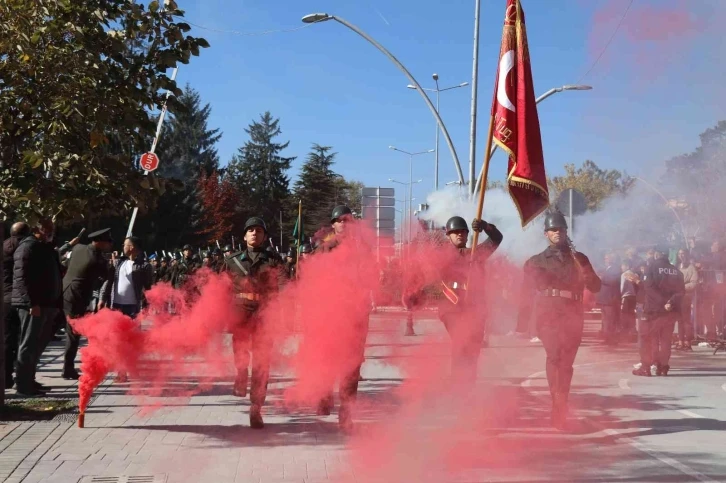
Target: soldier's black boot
point(662, 370)
point(256, 421)
point(325, 406)
point(240, 384)
point(345, 419)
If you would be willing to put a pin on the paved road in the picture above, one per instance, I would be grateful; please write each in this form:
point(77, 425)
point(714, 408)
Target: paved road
point(413, 424)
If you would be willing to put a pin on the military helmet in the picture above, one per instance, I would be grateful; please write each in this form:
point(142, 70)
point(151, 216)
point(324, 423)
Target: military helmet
point(306, 248)
point(255, 221)
point(338, 211)
point(227, 248)
point(456, 223)
point(187, 247)
point(555, 219)
point(291, 252)
point(216, 251)
point(205, 254)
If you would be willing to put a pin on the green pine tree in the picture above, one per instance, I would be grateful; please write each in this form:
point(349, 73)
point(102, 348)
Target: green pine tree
point(316, 187)
point(258, 170)
point(186, 149)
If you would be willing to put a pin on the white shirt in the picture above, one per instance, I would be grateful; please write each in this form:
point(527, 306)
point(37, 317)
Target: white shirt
point(124, 292)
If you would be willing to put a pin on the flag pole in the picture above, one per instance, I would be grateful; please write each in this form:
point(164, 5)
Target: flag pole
point(299, 238)
point(485, 175)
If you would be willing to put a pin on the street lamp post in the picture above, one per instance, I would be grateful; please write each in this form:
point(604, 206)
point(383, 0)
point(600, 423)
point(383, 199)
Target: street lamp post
point(438, 91)
point(410, 180)
point(554, 90)
point(322, 17)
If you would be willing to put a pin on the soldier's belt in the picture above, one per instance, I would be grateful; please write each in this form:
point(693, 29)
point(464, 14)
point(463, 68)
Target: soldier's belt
point(249, 296)
point(565, 294)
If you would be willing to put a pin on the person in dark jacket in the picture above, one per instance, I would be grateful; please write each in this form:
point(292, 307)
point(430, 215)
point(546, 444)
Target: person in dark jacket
point(37, 286)
point(10, 316)
point(87, 271)
point(664, 288)
point(553, 286)
point(609, 298)
point(258, 274)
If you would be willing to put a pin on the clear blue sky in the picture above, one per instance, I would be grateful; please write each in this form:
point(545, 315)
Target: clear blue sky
point(656, 88)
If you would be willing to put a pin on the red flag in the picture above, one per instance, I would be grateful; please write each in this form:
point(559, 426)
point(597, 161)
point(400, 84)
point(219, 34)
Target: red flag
point(515, 120)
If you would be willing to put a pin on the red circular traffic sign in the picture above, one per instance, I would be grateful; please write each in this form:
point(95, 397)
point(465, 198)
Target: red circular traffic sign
point(149, 161)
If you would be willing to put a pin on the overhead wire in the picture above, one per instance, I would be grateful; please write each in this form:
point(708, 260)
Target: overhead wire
point(250, 34)
point(620, 23)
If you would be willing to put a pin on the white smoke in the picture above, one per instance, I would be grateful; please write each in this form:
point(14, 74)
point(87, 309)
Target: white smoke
point(519, 243)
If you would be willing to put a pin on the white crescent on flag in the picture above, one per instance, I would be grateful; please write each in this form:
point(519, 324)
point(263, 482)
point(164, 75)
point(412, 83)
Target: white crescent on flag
point(506, 63)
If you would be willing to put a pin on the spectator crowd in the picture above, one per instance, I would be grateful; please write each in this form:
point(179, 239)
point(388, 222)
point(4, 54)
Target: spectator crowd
point(700, 316)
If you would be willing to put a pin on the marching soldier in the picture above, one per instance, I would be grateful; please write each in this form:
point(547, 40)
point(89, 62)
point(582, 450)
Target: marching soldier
point(217, 260)
point(305, 251)
point(467, 336)
point(290, 262)
point(258, 273)
point(185, 268)
point(554, 281)
point(350, 377)
point(227, 251)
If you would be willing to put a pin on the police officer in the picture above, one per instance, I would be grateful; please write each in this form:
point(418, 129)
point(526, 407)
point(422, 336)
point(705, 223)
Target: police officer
point(554, 281)
point(465, 324)
point(350, 376)
point(258, 274)
point(664, 288)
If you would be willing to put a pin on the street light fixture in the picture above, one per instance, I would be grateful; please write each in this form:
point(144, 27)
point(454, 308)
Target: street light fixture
point(321, 17)
point(438, 92)
point(554, 90)
point(410, 180)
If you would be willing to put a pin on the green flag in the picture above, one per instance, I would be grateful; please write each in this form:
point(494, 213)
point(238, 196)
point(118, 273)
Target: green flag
point(298, 233)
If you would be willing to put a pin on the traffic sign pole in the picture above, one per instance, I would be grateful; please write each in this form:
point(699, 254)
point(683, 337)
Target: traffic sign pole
point(159, 126)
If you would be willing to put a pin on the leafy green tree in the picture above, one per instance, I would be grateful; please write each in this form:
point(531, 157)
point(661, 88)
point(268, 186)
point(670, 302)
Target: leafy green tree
point(695, 182)
point(75, 86)
point(594, 183)
point(349, 193)
point(258, 170)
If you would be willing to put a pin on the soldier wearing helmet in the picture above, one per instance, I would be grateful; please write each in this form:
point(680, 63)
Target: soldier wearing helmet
point(258, 274)
point(349, 375)
point(305, 251)
point(185, 268)
point(465, 325)
point(554, 282)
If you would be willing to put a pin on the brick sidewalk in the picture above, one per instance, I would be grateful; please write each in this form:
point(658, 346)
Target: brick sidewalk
point(202, 438)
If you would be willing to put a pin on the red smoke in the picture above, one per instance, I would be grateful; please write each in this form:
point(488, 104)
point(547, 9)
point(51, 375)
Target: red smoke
point(424, 427)
point(179, 324)
point(656, 35)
